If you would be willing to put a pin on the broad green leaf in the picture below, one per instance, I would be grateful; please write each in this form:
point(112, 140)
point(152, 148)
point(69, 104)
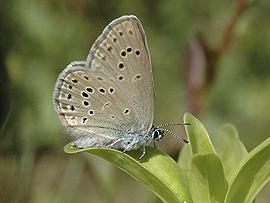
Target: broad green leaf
point(185, 157)
point(229, 148)
point(207, 180)
point(198, 136)
point(156, 170)
point(251, 176)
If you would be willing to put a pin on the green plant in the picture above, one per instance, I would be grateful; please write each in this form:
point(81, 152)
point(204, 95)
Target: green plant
point(222, 172)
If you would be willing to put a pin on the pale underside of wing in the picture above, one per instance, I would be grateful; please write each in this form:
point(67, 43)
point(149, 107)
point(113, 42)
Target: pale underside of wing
point(111, 94)
point(122, 52)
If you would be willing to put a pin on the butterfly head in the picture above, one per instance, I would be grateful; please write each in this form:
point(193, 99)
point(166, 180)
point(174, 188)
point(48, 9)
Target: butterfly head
point(157, 133)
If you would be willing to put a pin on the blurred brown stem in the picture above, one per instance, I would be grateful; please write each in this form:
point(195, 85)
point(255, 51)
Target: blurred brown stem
point(241, 5)
point(201, 61)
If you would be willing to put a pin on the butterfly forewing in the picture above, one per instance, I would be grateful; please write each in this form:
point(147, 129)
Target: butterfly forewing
point(112, 92)
point(122, 52)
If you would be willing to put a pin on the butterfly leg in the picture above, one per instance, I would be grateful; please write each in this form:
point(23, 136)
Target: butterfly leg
point(115, 142)
point(126, 149)
point(155, 144)
point(129, 146)
point(143, 152)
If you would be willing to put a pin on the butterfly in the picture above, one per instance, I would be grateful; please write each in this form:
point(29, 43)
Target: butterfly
point(107, 101)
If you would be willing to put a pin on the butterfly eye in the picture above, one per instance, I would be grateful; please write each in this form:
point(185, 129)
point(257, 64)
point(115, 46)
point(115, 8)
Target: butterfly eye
point(155, 134)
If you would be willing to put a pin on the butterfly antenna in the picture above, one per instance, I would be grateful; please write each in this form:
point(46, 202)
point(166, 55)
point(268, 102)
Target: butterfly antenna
point(175, 135)
point(169, 124)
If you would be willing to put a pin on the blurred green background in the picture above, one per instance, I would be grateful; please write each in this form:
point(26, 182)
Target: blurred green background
point(39, 38)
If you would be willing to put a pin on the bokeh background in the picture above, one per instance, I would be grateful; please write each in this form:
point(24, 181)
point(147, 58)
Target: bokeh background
point(211, 58)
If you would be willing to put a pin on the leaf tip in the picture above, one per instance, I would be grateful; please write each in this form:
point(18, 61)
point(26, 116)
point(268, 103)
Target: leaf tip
point(189, 118)
point(71, 149)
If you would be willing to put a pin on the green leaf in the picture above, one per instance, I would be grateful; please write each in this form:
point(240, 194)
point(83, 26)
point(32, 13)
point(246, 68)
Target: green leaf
point(198, 136)
point(156, 170)
point(207, 180)
point(229, 148)
point(185, 157)
point(251, 176)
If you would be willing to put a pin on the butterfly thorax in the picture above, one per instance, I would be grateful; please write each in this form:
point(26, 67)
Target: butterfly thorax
point(135, 140)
